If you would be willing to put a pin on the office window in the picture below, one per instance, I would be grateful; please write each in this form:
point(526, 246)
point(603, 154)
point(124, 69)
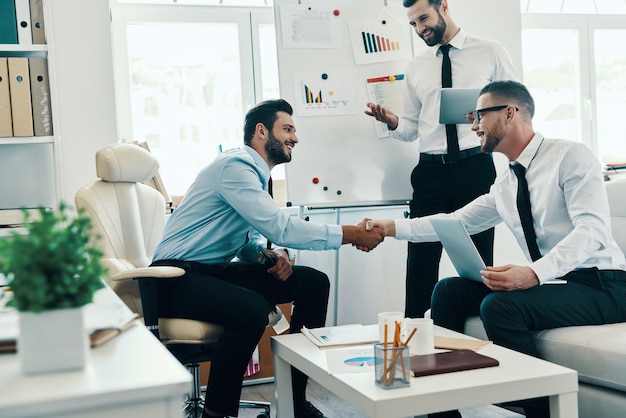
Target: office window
point(243, 3)
point(185, 77)
point(573, 6)
point(574, 65)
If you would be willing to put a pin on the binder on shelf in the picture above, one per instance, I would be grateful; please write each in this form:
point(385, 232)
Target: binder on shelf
point(36, 22)
point(19, 87)
point(8, 22)
point(22, 15)
point(6, 122)
point(40, 96)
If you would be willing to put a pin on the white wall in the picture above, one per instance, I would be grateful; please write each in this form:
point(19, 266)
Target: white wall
point(81, 66)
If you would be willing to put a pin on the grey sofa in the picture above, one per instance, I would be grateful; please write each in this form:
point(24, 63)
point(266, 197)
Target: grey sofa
point(598, 352)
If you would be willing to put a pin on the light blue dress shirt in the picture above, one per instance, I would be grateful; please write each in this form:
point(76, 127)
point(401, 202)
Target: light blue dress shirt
point(569, 206)
point(227, 211)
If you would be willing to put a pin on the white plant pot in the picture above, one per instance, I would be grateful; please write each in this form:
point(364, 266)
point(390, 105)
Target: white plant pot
point(52, 341)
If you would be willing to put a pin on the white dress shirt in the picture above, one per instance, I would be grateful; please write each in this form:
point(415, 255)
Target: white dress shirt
point(569, 206)
point(475, 63)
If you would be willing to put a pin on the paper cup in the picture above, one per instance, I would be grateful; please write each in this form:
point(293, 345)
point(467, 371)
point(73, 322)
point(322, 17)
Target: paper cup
point(389, 319)
point(423, 341)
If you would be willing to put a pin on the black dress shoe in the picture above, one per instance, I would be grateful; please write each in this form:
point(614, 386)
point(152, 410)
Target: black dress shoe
point(306, 409)
point(446, 414)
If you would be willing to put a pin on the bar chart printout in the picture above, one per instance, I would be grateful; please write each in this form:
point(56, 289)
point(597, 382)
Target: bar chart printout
point(310, 97)
point(324, 93)
point(380, 41)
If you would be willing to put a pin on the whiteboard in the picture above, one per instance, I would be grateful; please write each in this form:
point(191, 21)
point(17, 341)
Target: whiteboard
point(325, 59)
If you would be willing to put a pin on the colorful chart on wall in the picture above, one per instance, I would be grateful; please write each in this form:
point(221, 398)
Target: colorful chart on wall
point(386, 91)
point(380, 40)
point(308, 26)
point(324, 93)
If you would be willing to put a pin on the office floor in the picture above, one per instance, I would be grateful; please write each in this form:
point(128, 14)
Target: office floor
point(334, 407)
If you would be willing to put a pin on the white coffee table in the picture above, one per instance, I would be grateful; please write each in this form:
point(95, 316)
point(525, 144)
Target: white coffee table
point(517, 377)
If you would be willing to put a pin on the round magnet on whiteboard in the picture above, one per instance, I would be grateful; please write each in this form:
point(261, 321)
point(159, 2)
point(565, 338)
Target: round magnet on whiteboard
point(315, 180)
point(324, 76)
point(392, 78)
point(384, 22)
point(331, 92)
point(336, 12)
point(338, 191)
point(325, 188)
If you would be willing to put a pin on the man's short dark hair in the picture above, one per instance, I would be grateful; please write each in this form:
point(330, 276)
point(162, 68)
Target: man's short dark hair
point(512, 90)
point(409, 3)
point(266, 113)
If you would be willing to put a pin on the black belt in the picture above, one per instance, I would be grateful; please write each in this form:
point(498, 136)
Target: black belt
point(445, 158)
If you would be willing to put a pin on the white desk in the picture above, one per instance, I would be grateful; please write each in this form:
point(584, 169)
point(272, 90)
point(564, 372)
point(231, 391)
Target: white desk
point(517, 377)
point(133, 375)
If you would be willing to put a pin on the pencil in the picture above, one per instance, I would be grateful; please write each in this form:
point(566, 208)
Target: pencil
point(385, 356)
point(410, 336)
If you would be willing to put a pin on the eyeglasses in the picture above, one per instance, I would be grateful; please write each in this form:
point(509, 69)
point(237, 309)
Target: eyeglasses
point(477, 113)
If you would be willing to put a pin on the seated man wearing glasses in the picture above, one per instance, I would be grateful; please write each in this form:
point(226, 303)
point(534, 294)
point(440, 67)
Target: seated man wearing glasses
point(566, 233)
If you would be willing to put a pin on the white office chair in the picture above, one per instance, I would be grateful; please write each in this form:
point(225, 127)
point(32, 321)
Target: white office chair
point(129, 218)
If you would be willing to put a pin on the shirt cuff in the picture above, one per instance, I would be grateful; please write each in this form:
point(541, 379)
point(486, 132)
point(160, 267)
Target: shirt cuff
point(543, 270)
point(403, 229)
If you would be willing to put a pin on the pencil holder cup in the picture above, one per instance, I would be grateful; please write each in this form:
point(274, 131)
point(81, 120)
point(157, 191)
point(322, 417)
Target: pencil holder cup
point(392, 366)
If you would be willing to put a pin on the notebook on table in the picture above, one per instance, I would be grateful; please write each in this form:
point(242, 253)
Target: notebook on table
point(460, 248)
point(449, 361)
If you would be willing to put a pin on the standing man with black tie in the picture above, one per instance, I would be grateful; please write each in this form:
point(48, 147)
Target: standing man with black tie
point(554, 202)
point(452, 170)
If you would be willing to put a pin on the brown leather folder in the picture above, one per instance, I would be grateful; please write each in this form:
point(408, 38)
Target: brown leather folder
point(449, 361)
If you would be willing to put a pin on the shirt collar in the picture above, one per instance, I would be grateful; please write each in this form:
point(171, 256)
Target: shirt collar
point(528, 154)
point(260, 163)
point(457, 42)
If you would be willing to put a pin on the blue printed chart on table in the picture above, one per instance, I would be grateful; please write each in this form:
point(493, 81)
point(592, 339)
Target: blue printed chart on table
point(351, 360)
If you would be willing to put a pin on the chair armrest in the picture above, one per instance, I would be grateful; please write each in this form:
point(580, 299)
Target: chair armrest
point(156, 272)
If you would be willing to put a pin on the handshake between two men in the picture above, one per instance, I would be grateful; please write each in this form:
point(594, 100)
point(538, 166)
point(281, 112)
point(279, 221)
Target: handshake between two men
point(366, 235)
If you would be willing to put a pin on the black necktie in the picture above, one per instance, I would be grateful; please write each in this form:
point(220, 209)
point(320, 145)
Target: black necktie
point(525, 214)
point(446, 81)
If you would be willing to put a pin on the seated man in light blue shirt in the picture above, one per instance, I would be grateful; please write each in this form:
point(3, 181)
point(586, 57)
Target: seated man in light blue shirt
point(226, 213)
point(568, 236)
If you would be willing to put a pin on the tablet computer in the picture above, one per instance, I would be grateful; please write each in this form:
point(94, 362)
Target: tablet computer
point(460, 248)
point(456, 103)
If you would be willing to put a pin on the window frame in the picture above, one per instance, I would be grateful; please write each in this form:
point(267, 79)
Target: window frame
point(248, 20)
point(585, 25)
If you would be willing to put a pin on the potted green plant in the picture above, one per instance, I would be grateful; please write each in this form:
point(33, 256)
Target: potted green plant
point(53, 270)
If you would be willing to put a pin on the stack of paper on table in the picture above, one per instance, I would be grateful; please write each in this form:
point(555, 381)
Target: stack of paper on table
point(342, 335)
point(450, 343)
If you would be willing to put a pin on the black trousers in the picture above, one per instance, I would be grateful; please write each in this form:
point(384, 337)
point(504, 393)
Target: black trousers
point(590, 297)
point(239, 296)
point(443, 188)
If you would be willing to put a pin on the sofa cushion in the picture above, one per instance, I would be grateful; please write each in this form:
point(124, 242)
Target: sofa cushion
point(597, 352)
